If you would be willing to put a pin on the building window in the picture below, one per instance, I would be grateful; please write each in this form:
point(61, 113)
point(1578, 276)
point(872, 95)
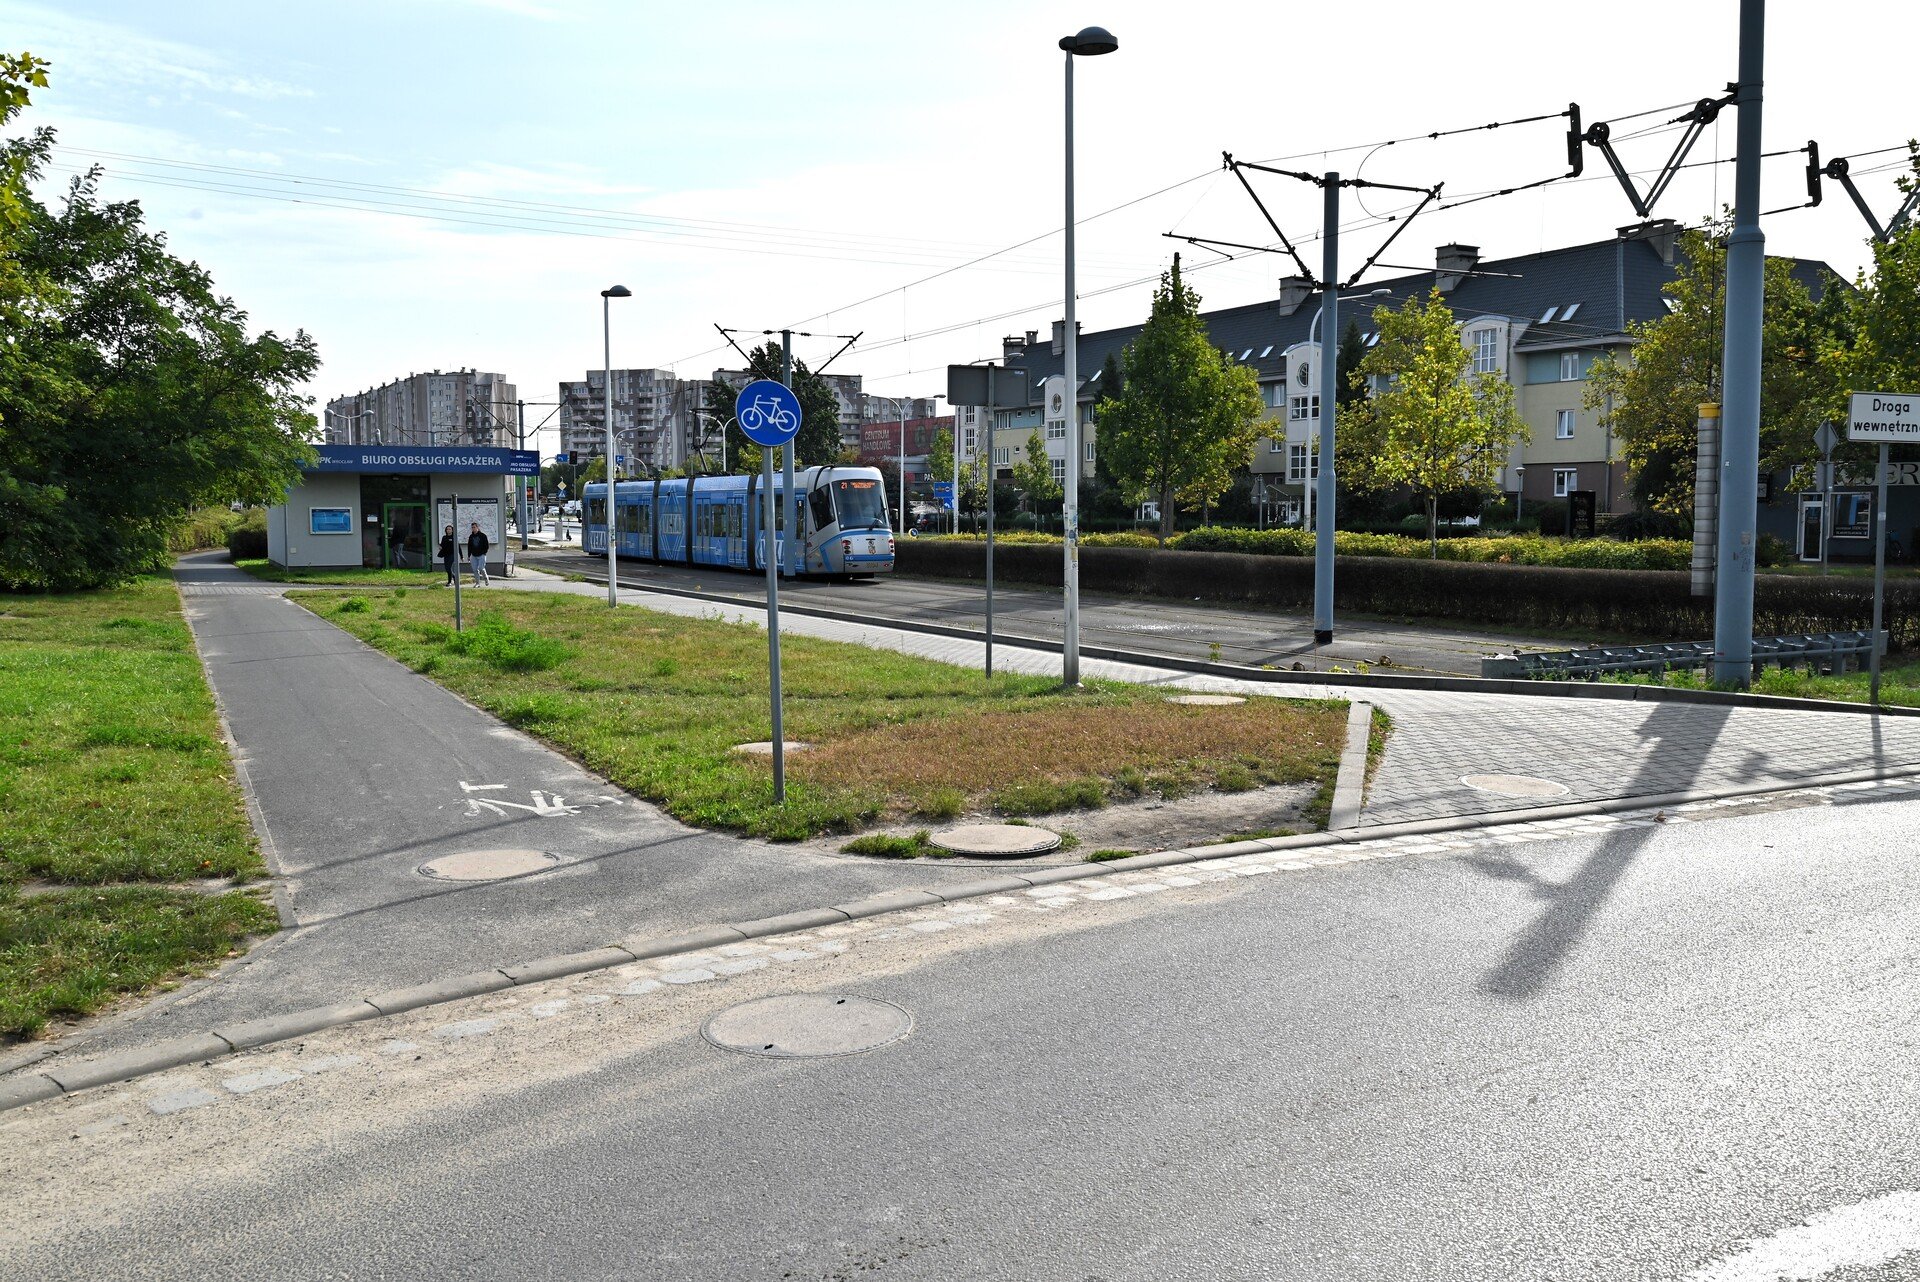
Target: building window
point(1059, 470)
point(966, 442)
point(1563, 426)
point(1276, 446)
point(1303, 464)
point(1003, 456)
point(1273, 395)
point(1486, 358)
point(1301, 409)
point(1089, 451)
point(1056, 429)
point(1569, 367)
point(1565, 481)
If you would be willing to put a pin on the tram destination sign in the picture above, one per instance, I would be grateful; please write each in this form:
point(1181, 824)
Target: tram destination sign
point(1886, 418)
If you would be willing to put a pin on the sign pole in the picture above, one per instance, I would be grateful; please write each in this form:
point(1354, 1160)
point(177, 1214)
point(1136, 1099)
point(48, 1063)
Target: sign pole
point(1826, 493)
point(1879, 579)
point(772, 558)
point(769, 416)
point(453, 514)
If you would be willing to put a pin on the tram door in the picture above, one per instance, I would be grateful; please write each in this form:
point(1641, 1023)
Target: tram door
point(1812, 519)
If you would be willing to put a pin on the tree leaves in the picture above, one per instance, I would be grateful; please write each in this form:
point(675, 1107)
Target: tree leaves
point(1186, 416)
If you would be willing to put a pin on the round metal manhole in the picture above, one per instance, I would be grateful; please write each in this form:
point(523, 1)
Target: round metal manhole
point(808, 1025)
point(1205, 700)
point(1002, 841)
point(487, 865)
point(764, 747)
point(1516, 785)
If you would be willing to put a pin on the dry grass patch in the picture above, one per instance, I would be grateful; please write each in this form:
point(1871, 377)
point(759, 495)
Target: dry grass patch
point(1029, 761)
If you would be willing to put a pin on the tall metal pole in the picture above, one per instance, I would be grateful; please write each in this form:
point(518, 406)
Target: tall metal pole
point(901, 406)
point(1329, 381)
point(606, 327)
point(1070, 490)
point(956, 466)
point(791, 499)
point(453, 511)
point(519, 483)
point(1740, 423)
point(1879, 576)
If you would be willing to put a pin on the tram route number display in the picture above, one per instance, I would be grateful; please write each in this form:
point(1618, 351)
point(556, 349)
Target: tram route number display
point(485, 511)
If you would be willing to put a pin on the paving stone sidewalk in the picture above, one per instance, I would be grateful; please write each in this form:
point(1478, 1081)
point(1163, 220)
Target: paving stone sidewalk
point(1597, 749)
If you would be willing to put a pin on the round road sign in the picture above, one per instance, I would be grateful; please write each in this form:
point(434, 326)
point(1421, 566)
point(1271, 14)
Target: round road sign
point(769, 413)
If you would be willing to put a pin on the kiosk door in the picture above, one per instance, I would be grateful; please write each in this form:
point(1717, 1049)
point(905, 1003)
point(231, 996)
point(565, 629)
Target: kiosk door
point(406, 534)
point(1812, 518)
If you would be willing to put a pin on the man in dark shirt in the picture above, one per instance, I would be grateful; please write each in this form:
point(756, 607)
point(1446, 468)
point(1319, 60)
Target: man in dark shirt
point(477, 546)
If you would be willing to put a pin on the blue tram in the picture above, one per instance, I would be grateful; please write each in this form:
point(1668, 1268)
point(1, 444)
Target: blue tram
point(718, 520)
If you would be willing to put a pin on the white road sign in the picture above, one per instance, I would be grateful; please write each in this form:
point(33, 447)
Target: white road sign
point(1891, 418)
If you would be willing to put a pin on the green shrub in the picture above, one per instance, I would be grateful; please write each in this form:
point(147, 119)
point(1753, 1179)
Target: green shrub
point(354, 605)
point(247, 539)
point(206, 528)
point(1655, 604)
point(886, 846)
point(494, 641)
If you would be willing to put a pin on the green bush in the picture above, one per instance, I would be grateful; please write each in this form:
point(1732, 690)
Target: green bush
point(1604, 554)
point(354, 605)
point(1655, 604)
point(207, 527)
point(494, 641)
point(247, 538)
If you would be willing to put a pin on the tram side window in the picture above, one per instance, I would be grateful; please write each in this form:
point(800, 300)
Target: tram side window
point(629, 518)
point(643, 519)
point(733, 522)
point(596, 511)
point(821, 502)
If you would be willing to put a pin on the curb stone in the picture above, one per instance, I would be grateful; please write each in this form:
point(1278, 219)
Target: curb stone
point(46, 1083)
point(1350, 783)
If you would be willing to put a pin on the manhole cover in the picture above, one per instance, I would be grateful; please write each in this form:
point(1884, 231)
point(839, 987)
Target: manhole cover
point(764, 747)
point(1516, 785)
point(1010, 841)
point(803, 1025)
point(1205, 700)
point(487, 865)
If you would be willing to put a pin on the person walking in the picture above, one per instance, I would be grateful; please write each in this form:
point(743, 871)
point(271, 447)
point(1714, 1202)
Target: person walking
point(450, 555)
point(477, 546)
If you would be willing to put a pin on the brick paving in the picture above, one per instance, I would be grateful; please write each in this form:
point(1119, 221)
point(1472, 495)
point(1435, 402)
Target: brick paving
point(1596, 749)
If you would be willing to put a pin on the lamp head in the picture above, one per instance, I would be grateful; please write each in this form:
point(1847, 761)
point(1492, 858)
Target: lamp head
point(618, 291)
point(1089, 41)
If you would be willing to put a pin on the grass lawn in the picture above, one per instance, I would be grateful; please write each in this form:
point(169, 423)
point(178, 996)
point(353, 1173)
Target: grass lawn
point(122, 834)
point(353, 575)
point(656, 702)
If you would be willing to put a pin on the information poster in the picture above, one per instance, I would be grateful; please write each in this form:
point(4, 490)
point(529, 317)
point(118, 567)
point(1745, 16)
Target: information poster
point(486, 511)
point(330, 520)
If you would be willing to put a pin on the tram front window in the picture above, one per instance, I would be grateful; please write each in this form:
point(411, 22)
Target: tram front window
point(861, 505)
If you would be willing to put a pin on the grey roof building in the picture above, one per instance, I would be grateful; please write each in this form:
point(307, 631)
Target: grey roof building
point(1540, 319)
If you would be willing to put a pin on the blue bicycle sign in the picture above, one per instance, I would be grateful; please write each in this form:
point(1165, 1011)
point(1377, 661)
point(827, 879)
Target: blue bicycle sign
point(769, 413)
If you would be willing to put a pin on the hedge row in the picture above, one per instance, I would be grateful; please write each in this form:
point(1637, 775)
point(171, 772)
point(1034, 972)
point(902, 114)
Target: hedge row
point(247, 540)
point(1651, 604)
point(1599, 554)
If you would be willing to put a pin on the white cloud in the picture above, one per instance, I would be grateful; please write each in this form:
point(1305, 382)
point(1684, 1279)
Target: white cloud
point(106, 53)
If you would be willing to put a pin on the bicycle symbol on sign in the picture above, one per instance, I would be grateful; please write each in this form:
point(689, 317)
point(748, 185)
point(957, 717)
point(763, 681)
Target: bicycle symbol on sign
point(763, 413)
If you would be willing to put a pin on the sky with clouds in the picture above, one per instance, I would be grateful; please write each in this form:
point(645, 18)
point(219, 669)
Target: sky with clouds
point(442, 183)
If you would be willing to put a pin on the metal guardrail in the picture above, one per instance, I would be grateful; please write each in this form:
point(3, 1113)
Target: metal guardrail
point(1826, 652)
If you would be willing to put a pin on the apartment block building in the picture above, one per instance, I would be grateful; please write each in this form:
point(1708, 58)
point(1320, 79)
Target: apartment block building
point(462, 407)
point(654, 425)
point(1539, 320)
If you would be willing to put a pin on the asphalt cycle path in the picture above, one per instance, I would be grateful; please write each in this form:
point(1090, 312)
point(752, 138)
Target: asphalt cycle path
point(1678, 1052)
point(362, 772)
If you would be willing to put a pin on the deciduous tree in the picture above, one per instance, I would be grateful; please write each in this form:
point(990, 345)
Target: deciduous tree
point(1186, 416)
point(1435, 426)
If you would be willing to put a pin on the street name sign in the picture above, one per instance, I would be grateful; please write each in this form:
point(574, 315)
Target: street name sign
point(1886, 418)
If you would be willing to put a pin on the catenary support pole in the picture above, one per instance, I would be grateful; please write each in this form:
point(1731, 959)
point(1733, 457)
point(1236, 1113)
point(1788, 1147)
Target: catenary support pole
point(613, 576)
point(1879, 576)
point(788, 497)
point(519, 482)
point(1740, 423)
point(1329, 389)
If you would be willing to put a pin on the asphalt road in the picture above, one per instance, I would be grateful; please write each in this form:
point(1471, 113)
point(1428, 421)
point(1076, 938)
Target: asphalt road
point(1643, 1054)
point(1230, 634)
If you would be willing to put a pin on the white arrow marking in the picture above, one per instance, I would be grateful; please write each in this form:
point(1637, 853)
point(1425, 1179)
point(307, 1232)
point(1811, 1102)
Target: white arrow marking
point(1861, 1236)
point(481, 787)
point(545, 805)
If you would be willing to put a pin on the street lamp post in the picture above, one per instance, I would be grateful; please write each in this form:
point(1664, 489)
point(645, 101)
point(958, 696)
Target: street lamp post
point(1088, 42)
point(606, 329)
